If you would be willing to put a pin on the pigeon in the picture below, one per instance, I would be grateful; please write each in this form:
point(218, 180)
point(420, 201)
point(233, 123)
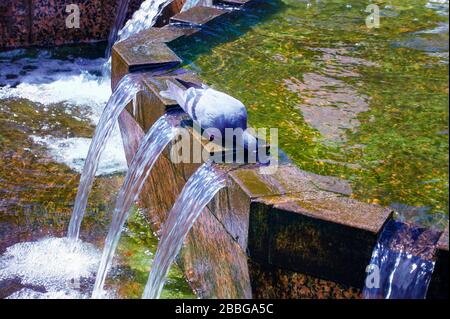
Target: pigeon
point(210, 108)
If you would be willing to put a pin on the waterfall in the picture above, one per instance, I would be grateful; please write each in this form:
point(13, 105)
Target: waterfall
point(127, 88)
point(143, 18)
point(154, 142)
point(196, 194)
point(121, 14)
point(401, 264)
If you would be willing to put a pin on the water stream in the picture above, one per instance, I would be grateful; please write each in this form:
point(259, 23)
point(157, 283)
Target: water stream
point(196, 194)
point(121, 14)
point(127, 88)
point(154, 142)
point(401, 266)
point(143, 18)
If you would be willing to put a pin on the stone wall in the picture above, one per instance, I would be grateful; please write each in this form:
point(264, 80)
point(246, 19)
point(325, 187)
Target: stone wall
point(26, 23)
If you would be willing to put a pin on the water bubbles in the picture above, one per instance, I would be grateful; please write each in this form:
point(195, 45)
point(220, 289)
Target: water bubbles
point(54, 264)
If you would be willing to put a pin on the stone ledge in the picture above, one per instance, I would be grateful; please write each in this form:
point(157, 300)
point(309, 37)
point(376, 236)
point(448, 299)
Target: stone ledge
point(198, 16)
point(272, 217)
point(303, 236)
point(147, 56)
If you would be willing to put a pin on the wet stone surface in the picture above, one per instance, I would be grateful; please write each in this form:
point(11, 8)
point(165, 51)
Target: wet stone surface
point(144, 56)
point(198, 15)
point(322, 234)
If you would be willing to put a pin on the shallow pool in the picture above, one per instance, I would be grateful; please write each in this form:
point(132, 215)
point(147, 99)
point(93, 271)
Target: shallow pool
point(368, 105)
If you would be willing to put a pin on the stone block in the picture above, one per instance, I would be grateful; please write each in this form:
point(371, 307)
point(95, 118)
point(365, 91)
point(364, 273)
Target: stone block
point(128, 57)
point(198, 16)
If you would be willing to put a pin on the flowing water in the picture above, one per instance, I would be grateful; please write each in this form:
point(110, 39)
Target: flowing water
point(126, 90)
point(121, 14)
point(143, 18)
point(196, 194)
point(401, 264)
point(154, 142)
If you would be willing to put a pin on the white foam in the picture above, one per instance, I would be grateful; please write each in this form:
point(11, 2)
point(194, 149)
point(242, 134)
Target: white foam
point(74, 83)
point(81, 89)
point(27, 293)
point(52, 263)
point(72, 152)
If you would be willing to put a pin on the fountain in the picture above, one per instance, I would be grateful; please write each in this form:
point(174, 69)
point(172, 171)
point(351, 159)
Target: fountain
point(154, 142)
point(402, 262)
point(143, 18)
point(292, 224)
point(127, 88)
point(197, 193)
point(268, 219)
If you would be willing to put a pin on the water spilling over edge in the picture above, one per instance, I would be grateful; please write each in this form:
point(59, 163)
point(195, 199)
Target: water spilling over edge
point(196, 194)
point(152, 145)
point(127, 88)
point(402, 262)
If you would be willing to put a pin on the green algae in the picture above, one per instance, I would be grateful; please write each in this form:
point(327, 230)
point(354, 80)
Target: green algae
point(136, 249)
point(315, 69)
